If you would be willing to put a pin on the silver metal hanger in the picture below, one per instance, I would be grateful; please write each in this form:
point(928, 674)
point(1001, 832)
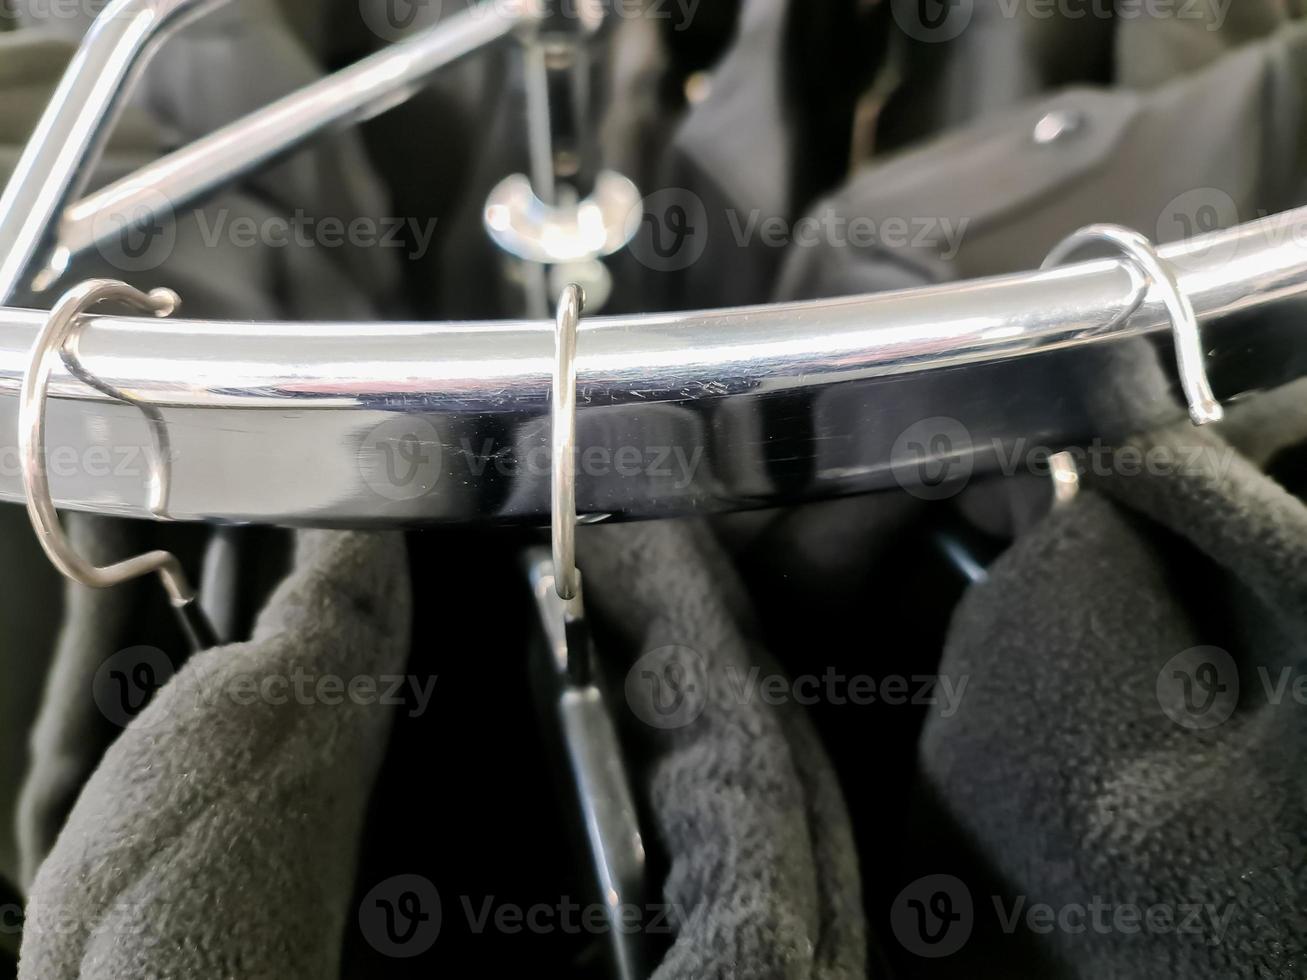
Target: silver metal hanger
point(58, 338)
point(1203, 406)
point(1153, 269)
point(40, 224)
point(572, 693)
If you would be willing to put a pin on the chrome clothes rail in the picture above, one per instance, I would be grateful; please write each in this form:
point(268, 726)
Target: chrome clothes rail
point(333, 424)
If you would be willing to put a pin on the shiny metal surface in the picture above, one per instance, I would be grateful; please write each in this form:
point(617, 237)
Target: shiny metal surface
point(576, 231)
point(362, 90)
point(325, 424)
point(569, 210)
point(56, 338)
point(1066, 478)
point(597, 774)
point(561, 105)
point(1203, 406)
point(70, 134)
point(58, 331)
point(562, 437)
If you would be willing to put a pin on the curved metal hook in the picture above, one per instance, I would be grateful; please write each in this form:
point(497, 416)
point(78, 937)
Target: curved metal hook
point(1203, 406)
point(562, 488)
point(61, 327)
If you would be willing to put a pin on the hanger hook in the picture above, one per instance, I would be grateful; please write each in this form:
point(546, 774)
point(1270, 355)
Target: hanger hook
point(1203, 406)
point(60, 327)
point(563, 438)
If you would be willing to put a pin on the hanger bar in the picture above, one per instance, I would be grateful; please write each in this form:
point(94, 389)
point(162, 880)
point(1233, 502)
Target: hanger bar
point(364, 89)
point(70, 134)
point(350, 424)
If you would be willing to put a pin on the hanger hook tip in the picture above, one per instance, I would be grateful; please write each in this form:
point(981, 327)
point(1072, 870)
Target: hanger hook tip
point(163, 301)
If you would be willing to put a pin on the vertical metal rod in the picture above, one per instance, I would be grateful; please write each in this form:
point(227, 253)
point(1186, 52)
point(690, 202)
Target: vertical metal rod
point(560, 131)
point(540, 144)
point(562, 433)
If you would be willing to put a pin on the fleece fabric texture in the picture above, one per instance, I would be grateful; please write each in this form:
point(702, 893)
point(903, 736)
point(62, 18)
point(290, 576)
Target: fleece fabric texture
point(1131, 735)
point(71, 728)
point(218, 836)
point(763, 873)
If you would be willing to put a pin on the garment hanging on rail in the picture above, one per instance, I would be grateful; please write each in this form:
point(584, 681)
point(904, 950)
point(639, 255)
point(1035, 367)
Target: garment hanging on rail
point(955, 65)
point(1152, 50)
point(784, 87)
point(761, 865)
point(218, 835)
point(1130, 737)
point(747, 833)
point(995, 197)
point(71, 729)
